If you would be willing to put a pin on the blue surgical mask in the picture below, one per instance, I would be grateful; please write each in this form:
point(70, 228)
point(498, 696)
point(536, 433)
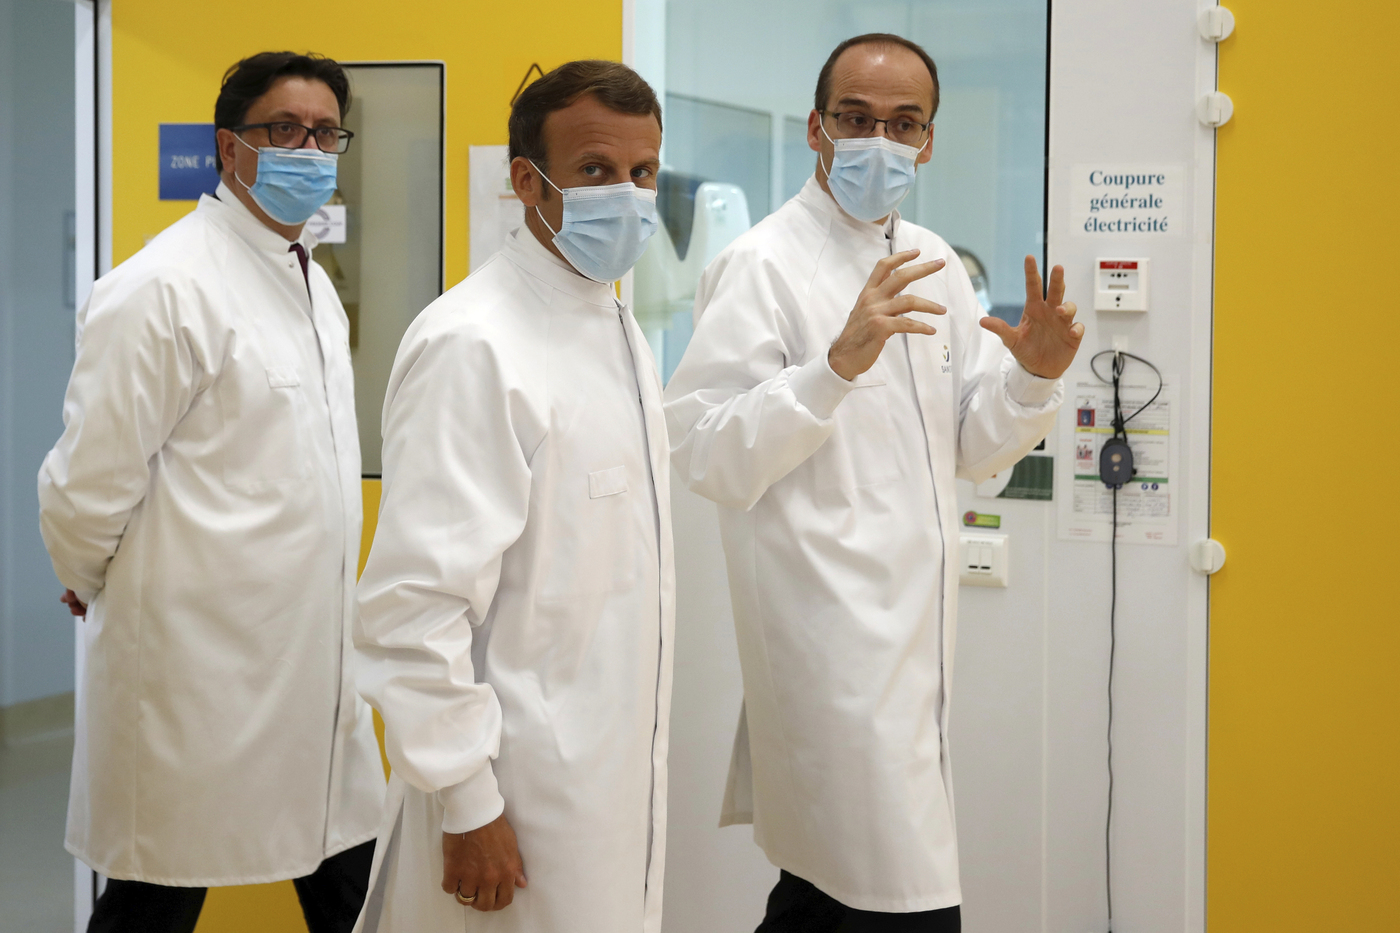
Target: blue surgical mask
point(870, 176)
point(292, 183)
point(605, 228)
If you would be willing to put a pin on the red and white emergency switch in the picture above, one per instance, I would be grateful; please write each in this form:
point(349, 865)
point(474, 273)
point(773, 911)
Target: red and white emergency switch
point(1120, 285)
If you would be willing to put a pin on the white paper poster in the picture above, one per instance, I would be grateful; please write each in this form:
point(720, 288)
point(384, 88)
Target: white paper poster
point(1116, 200)
point(327, 225)
point(1147, 510)
point(495, 210)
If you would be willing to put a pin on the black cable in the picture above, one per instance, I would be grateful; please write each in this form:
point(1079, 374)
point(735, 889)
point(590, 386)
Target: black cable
point(1120, 432)
point(1112, 650)
point(1117, 370)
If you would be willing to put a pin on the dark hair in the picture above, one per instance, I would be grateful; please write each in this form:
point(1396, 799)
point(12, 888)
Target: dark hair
point(254, 76)
point(823, 94)
point(617, 87)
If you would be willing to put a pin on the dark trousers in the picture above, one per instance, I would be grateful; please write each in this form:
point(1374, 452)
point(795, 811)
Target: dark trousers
point(797, 906)
point(331, 898)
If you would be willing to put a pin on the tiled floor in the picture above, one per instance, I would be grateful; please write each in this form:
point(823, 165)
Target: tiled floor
point(36, 874)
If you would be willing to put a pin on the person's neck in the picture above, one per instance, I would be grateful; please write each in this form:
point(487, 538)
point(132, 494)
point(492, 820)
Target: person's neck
point(821, 180)
point(289, 232)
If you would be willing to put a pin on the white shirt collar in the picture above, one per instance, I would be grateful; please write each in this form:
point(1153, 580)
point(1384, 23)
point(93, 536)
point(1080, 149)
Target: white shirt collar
point(824, 205)
point(225, 204)
point(524, 250)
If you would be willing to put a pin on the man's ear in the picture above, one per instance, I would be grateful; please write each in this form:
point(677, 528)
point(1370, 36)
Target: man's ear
point(525, 180)
point(814, 131)
point(926, 153)
point(227, 145)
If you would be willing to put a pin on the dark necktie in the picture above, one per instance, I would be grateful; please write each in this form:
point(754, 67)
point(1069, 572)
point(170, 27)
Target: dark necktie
point(301, 255)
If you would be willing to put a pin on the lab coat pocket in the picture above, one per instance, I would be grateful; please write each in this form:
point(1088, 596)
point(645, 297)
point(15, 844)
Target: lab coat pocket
point(592, 549)
point(607, 482)
point(861, 451)
point(264, 420)
point(283, 377)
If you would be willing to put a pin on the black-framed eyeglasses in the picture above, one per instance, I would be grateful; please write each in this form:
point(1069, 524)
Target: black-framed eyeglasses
point(294, 135)
point(856, 124)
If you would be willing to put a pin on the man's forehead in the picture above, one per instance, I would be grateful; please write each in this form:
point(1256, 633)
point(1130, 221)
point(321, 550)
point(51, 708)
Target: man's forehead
point(294, 96)
point(882, 71)
point(294, 114)
point(595, 130)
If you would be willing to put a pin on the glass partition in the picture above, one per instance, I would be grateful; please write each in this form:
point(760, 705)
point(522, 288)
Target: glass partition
point(385, 256)
point(718, 141)
point(798, 159)
point(38, 296)
point(739, 81)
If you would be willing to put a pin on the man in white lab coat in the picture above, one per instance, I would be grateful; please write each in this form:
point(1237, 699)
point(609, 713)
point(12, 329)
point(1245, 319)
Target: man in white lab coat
point(203, 509)
point(831, 393)
point(517, 607)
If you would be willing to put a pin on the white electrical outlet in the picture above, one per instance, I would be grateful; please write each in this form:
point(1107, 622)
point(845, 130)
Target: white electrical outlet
point(983, 560)
point(1120, 285)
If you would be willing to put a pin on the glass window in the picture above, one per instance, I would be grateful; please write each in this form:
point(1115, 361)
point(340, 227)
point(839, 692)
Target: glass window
point(38, 295)
point(736, 112)
point(389, 265)
point(798, 158)
point(719, 141)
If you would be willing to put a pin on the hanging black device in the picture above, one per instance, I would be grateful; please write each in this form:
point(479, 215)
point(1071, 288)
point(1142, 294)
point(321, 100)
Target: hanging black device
point(1116, 457)
point(1116, 462)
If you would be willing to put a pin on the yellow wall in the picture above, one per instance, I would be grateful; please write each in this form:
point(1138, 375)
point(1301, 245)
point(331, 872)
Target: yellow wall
point(167, 59)
point(1305, 635)
point(371, 489)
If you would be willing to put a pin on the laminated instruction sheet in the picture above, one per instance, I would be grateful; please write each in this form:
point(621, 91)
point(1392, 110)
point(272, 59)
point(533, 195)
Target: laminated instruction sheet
point(1147, 509)
point(495, 210)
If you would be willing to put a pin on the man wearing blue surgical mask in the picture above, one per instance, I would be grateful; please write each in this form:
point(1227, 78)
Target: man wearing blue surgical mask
point(832, 391)
point(203, 509)
point(517, 607)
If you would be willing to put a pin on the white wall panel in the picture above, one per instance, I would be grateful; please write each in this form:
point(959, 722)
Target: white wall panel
point(1029, 707)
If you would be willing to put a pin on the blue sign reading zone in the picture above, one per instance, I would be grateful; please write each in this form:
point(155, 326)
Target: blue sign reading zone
point(187, 161)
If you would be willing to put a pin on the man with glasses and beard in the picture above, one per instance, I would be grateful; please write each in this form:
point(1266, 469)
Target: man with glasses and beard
point(203, 509)
point(831, 393)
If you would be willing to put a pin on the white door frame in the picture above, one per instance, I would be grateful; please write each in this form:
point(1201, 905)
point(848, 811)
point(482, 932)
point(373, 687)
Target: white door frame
point(92, 157)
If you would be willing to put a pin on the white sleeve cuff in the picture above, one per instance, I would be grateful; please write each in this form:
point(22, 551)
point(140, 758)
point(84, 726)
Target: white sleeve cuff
point(1029, 390)
point(472, 803)
point(817, 387)
point(80, 586)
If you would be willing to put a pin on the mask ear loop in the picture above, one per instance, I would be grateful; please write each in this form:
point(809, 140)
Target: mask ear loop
point(928, 144)
point(820, 161)
point(537, 207)
point(235, 168)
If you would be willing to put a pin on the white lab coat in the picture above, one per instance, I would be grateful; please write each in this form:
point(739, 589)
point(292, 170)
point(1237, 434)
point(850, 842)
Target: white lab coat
point(517, 608)
point(837, 504)
point(204, 500)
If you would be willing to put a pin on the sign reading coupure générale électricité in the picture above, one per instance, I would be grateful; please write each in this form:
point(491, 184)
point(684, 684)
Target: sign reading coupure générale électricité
point(1128, 200)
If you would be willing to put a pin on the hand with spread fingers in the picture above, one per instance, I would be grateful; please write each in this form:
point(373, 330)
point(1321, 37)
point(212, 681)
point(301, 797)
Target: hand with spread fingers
point(880, 312)
point(482, 868)
point(1045, 341)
